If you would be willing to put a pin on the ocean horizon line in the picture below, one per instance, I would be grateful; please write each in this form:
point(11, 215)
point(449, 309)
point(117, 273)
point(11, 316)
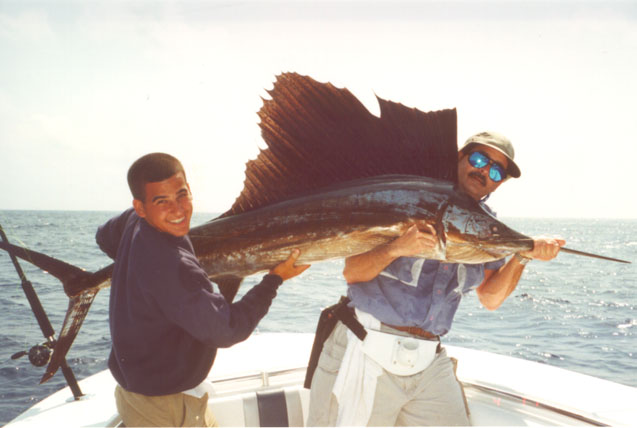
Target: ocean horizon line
point(217, 213)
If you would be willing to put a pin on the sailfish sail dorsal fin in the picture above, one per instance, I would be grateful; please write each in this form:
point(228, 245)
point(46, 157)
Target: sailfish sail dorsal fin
point(318, 135)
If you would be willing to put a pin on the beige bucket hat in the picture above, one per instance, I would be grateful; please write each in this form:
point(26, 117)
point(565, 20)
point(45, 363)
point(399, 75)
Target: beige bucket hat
point(498, 142)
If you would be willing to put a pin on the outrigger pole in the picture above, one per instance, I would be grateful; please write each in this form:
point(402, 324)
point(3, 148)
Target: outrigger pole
point(45, 325)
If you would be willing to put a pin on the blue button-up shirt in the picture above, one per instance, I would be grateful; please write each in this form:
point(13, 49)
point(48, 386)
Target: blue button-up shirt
point(417, 292)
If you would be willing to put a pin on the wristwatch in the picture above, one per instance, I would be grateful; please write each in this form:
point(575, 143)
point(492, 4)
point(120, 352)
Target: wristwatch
point(521, 259)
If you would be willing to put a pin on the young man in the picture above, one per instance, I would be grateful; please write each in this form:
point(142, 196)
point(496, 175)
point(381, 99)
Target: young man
point(357, 388)
point(166, 321)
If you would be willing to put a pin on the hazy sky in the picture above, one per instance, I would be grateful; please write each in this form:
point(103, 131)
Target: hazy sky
point(87, 87)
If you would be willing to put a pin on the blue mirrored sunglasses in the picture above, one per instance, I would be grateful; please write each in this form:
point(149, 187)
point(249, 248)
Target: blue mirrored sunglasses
point(497, 173)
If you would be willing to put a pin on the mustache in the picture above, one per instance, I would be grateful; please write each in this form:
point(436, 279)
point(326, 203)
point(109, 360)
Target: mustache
point(478, 176)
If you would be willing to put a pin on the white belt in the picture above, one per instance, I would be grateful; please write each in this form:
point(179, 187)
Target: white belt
point(400, 355)
point(355, 384)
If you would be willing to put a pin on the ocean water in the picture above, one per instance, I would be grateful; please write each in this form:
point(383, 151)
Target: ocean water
point(575, 313)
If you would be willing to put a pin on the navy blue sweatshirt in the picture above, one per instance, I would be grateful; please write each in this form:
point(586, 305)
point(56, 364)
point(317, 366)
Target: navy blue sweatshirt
point(166, 321)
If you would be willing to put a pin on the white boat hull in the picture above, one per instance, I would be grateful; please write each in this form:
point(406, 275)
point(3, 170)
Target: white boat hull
point(501, 391)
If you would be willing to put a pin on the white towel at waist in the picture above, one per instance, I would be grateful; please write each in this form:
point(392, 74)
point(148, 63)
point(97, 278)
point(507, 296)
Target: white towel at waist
point(355, 384)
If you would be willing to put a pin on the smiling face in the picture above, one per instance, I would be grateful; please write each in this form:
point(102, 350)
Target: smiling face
point(475, 182)
point(167, 205)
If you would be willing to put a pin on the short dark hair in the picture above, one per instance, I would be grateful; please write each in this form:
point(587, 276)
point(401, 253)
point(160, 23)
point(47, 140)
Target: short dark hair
point(151, 168)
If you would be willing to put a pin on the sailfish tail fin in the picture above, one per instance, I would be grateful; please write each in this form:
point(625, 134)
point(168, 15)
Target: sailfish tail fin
point(81, 287)
point(65, 272)
point(75, 315)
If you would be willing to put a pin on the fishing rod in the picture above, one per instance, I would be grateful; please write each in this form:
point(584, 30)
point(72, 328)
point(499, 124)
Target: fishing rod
point(39, 355)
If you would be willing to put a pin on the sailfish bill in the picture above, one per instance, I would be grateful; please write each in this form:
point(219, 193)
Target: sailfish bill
point(334, 181)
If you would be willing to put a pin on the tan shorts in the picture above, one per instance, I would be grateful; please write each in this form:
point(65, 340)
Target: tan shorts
point(431, 397)
point(174, 410)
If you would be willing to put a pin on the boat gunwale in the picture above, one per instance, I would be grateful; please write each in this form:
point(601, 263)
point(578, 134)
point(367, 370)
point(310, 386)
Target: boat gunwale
point(265, 376)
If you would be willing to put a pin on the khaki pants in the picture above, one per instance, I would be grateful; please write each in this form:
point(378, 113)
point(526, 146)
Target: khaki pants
point(174, 410)
point(431, 397)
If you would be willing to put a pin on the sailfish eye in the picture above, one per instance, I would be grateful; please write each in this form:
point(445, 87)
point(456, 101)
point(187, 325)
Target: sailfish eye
point(495, 229)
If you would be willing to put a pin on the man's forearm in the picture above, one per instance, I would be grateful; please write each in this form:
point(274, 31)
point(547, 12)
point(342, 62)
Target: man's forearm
point(500, 284)
point(367, 266)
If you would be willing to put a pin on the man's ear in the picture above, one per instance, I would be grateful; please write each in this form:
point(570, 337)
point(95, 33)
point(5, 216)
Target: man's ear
point(139, 208)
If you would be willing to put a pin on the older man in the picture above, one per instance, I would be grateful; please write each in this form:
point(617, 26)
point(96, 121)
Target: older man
point(362, 386)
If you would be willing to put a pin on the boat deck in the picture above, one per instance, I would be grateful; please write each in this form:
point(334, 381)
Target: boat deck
point(259, 383)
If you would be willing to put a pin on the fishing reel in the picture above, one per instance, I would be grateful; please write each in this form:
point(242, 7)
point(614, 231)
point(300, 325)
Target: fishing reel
point(39, 355)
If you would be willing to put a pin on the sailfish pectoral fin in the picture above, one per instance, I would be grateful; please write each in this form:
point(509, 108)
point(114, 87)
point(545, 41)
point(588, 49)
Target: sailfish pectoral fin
point(228, 286)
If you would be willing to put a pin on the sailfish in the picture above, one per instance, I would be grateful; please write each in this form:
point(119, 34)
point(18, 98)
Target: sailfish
point(334, 181)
